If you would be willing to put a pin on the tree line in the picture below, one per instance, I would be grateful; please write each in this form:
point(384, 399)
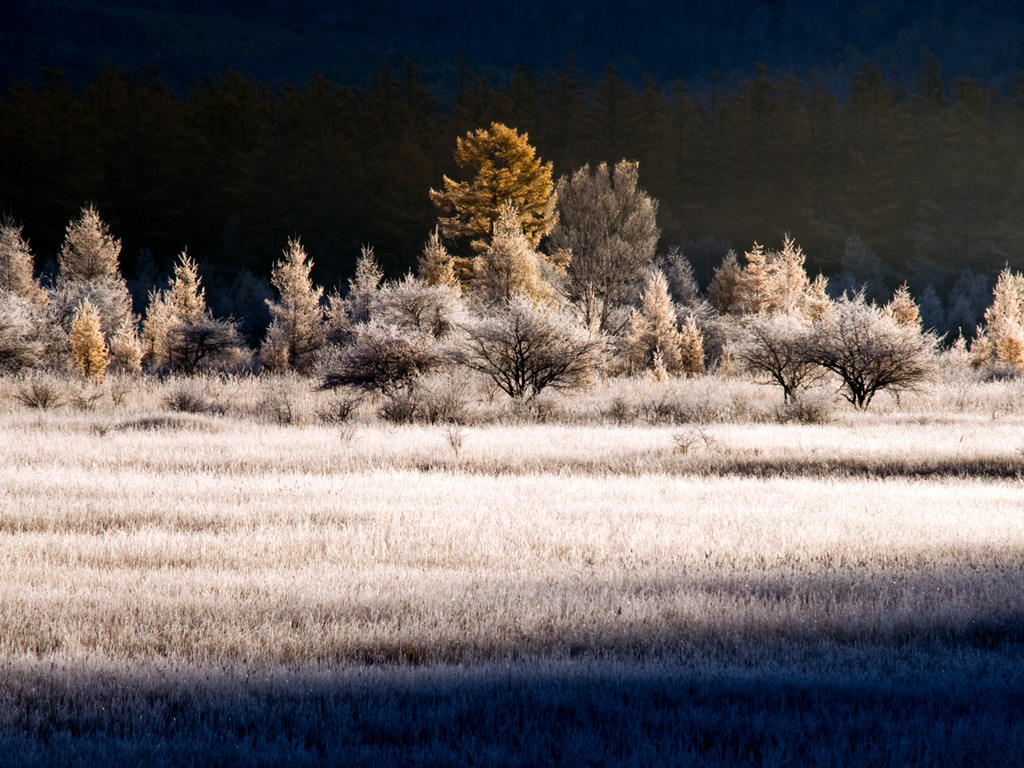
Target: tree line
point(887, 184)
point(557, 283)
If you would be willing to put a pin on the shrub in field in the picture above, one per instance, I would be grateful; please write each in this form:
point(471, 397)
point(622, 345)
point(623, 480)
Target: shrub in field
point(870, 352)
point(382, 358)
point(40, 390)
point(524, 348)
point(189, 396)
point(777, 346)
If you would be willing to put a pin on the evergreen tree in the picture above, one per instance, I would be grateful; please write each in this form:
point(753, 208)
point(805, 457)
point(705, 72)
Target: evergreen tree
point(510, 265)
point(16, 263)
point(363, 287)
point(903, 309)
point(296, 332)
point(724, 288)
point(436, 266)
point(652, 328)
point(180, 333)
point(691, 348)
point(126, 348)
point(504, 169)
point(1001, 341)
point(89, 251)
point(88, 348)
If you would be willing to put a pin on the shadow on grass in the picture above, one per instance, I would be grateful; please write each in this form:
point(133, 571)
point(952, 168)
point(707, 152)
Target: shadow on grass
point(553, 713)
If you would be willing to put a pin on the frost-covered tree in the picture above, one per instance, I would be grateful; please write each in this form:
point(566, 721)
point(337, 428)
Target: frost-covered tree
point(1000, 341)
point(89, 271)
point(903, 309)
point(381, 357)
point(724, 286)
point(88, 347)
point(126, 350)
point(89, 251)
point(691, 348)
point(296, 333)
point(525, 348)
point(414, 305)
point(777, 347)
point(511, 265)
point(608, 225)
point(436, 265)
point(22, 333)
point(869, 351)
point(180, 333)
point(652, 330)
point(502, 168)
point(16, 263)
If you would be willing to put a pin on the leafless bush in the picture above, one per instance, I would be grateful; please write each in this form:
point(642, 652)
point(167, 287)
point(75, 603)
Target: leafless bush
point(338, 408)
point(692, 437)
point(807, 408)
point(40, 390)
point(525, 348)
point(455, 438)
point(190, 396)
point(445, 398)
point(401, 406)
point(382, 358)
point(85, 396)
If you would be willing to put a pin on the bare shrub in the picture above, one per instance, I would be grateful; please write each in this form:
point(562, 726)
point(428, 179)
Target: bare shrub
point(40, 390)
point(445, 398)
point(401, 406)
point(807, 408)
point(382, 358)
point(870, 352)
point(776, 347)
point(690, 438)
point(339, 408)
point(455, 438)
point(525, 348)
point(190, 396)
point(85, 396)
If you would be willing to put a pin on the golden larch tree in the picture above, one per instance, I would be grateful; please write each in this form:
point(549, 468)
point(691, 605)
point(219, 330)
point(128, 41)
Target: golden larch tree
point(88, 348)
point(502, 168)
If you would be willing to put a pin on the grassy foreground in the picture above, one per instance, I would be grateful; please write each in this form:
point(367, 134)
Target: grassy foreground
point(207, 590)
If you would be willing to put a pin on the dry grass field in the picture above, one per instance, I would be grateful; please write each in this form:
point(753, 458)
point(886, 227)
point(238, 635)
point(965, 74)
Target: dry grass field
point(591, 583)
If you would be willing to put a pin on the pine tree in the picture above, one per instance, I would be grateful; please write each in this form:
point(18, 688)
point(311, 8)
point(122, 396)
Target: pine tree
point(89, 270)
point(296, 332)
point(180, 333)
point(89, 251)
point(510, 265)
point(88, 348)
point(691, 348)
point(725, 283)
point(903, 309)
point(652, 328)
point(1001, 340)
point(16, 263)
point(754, 290)
point(363, 287)
point(788, 283)
point(436, 265)
point(504, 169)
point(126, 348)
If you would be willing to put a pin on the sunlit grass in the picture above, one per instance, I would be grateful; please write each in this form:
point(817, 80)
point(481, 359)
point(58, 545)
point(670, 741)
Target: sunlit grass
point(154, 564)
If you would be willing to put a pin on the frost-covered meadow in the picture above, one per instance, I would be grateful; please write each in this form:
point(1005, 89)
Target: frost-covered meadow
point(561, 586)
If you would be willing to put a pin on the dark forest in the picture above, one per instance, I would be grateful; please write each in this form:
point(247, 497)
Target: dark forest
point(928, 177)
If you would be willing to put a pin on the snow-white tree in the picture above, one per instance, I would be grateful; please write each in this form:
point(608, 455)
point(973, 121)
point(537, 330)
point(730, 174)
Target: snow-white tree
point(16, 263)
point(1000, 342)
point(296, 332)
point(608, 225)
point(652, 328)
